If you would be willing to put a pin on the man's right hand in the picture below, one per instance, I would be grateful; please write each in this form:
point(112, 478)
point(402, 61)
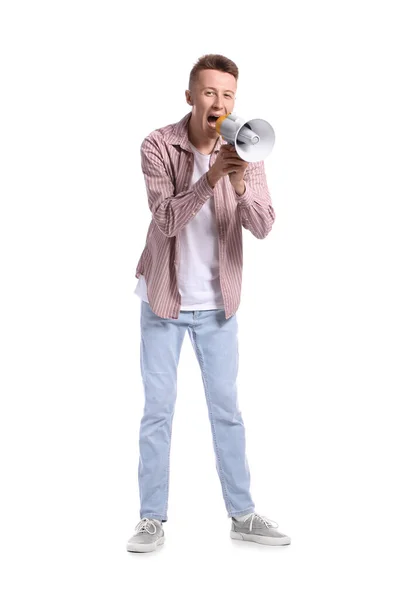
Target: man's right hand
point(224, 164)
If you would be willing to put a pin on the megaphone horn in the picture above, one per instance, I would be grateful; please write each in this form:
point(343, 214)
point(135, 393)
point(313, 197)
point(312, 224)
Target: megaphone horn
point(253, 140)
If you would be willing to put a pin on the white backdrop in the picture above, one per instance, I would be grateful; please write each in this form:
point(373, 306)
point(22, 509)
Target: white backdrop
point(324, 340)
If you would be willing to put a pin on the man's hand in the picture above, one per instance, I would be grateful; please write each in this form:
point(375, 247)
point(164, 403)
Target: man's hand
point(228, 163)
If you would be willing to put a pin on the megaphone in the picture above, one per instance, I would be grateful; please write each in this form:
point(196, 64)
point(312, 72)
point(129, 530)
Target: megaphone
point(253, 140)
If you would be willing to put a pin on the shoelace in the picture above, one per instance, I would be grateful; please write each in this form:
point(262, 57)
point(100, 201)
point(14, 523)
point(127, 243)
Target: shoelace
point(263, 520)
point(144, 524)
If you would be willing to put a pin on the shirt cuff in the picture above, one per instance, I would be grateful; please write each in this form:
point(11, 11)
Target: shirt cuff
point(246, 199)
point(202, 188)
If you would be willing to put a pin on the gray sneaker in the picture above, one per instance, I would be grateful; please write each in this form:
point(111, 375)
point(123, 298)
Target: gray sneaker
point(148, 535)
point(258, 529)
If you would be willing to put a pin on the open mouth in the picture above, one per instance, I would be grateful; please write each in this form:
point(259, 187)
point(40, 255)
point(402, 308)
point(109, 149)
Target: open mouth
point(212, 120)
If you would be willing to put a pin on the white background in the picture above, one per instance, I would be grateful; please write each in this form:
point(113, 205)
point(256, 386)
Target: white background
point(324, 337)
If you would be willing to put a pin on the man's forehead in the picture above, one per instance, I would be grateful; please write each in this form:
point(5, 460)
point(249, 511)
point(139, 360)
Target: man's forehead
point(216, 80)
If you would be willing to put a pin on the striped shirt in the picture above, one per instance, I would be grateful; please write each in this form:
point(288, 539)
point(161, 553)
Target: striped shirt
point(167, 163)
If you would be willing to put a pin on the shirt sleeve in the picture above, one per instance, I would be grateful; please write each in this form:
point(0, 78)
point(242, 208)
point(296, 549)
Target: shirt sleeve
point(255, 204)
point(170, 211)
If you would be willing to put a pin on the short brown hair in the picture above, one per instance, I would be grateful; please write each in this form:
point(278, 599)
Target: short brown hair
point(212, 61)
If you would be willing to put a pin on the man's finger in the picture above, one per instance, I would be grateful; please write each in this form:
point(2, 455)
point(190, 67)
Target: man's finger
point(234, 161)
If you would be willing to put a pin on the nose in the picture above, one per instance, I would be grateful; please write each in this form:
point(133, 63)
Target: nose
point(218, 102)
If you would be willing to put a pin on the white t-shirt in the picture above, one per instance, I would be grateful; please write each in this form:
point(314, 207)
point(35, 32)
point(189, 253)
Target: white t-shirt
point(198, 274)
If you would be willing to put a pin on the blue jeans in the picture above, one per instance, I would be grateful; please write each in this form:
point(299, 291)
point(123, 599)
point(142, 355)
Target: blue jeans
point(215, 342)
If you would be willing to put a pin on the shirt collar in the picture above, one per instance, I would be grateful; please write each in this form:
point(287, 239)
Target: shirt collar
point(179, 135)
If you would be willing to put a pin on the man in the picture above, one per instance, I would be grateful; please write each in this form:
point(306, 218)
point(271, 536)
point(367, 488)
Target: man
point(200, 194)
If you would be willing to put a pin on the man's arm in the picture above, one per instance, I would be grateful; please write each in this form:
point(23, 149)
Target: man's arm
point(170, 212)
point(255, 204)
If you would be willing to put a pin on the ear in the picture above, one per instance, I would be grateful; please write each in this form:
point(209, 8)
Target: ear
point(188, 97)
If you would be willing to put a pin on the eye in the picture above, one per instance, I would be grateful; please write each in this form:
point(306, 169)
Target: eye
point(226, 95)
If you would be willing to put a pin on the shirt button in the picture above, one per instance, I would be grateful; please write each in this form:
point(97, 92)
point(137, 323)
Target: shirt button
point(185, 186)
point(194, 213)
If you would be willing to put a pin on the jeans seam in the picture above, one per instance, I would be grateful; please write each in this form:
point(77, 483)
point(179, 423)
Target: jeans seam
point(168, 465)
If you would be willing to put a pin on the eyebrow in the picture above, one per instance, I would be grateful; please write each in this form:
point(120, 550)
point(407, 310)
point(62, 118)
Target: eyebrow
point(208, 87)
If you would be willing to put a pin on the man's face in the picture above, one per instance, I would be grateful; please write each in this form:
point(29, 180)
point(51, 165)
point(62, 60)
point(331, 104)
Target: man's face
point(213, 94)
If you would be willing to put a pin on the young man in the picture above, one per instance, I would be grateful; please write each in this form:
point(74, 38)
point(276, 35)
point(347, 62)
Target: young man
point(200, 194)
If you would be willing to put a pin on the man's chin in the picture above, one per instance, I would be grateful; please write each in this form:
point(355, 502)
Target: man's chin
point(211, 132)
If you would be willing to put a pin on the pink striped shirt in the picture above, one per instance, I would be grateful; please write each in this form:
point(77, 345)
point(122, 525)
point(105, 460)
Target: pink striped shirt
point(167, 163)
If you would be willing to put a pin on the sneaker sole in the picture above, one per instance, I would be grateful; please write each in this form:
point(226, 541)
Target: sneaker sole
point(258, 539)
point(145, 547)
